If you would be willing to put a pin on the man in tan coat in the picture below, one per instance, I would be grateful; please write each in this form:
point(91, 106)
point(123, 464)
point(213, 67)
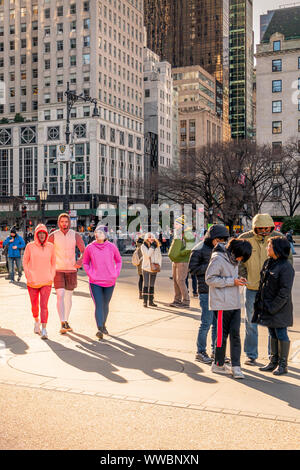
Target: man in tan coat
point(263, 228)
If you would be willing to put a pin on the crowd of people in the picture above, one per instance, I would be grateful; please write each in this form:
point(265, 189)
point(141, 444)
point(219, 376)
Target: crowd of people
point(260, 261)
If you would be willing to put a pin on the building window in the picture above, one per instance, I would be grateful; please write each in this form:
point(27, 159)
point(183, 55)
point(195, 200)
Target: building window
point(277, 65)
point(86, 111)
point(86, 59)
point(102, 132)
point(53, 133)
point(276, 46)
point(276, 127)
point(276, 106)
point(298, 62)
point(60, 114)
point(147, 93)
point(80, 131)
point(276, 86)
point(276, 147)
point(47, 115)
point(298, 125)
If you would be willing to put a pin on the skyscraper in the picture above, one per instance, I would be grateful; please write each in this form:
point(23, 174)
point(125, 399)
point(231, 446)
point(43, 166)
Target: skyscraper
point(96, 47)
point(190, 32)
point(241, 55)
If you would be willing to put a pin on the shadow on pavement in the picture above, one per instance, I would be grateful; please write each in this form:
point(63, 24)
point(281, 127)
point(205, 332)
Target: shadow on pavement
point(277, 388)
point(106, 357)
point(12, 342)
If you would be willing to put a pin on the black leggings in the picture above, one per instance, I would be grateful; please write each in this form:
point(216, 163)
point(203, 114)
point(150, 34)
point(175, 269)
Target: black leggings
point(140, 284)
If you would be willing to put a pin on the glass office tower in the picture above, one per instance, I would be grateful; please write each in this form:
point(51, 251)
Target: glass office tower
point(241, 68)
point(192, 32)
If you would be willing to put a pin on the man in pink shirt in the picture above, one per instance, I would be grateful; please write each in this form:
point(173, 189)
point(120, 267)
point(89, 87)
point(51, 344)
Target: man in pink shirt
point(65, 241)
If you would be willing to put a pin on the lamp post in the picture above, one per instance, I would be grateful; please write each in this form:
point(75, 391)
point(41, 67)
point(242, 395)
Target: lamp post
point(71, 100)
point(43, 198)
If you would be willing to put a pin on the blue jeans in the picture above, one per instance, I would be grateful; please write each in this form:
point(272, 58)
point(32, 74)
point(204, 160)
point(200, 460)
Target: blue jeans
point(194, 282)
point(251, 334)
point(292, 248)
point(101, 296)
point(279, 333)
point(208, 319)
point(11, 267)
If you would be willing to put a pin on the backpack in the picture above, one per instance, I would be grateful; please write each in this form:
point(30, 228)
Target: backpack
point(135, 258)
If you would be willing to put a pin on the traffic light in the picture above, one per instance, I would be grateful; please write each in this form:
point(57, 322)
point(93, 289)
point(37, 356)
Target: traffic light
point(24, 212)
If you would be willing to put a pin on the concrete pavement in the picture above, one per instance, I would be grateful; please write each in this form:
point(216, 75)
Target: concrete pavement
point(146, 365)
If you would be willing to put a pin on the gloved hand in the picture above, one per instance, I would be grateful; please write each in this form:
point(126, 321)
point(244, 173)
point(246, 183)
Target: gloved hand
point(140, 240)
point(153, 245)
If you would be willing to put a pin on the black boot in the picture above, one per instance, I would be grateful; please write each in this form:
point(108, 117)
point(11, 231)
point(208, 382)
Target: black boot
point(145, 296)
point(151, 297)
point(273, 358)
point(283, 353)
point(141, 295)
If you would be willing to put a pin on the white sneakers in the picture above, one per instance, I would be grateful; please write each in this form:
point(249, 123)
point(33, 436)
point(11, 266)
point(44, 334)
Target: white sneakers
point(37, 330)
point(226, 370)
point(44, 333)
point(37, 327)
point(237, 373)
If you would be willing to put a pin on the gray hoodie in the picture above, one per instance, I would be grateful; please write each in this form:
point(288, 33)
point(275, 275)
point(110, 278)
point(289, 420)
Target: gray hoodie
point(220, 275)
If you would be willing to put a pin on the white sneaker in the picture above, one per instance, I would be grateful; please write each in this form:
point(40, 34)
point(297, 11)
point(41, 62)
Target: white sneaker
point(37, 328)
point(44, 333)
point(237, 373)
point(225, 370)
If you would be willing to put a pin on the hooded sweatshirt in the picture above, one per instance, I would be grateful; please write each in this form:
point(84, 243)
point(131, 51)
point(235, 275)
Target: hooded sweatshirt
point(252, 268)
point(102, 262)
point(39, 261)
point(201, 254)
point(220, 275)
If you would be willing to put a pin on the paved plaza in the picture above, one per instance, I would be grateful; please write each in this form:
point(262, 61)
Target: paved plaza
point(140, 388)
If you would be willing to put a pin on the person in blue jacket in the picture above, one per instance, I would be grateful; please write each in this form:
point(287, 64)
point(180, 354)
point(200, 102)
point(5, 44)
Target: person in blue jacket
point(15, 244)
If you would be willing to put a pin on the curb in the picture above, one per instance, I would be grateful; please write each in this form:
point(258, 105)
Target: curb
point(146, 401)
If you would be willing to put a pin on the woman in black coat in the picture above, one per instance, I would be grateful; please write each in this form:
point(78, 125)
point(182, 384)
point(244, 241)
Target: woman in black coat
point(273, 305)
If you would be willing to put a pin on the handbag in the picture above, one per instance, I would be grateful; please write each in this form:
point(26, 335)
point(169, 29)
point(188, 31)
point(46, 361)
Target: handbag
point(155, 267)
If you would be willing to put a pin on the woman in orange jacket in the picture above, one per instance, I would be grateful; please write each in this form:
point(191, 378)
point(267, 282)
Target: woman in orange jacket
point(39, 269)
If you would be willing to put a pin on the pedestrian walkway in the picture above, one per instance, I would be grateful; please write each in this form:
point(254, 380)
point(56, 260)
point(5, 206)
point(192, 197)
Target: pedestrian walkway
point(148, 357)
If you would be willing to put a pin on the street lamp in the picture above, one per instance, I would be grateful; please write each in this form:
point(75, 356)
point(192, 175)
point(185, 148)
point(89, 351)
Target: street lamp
point(43, 198)
point(71, 100)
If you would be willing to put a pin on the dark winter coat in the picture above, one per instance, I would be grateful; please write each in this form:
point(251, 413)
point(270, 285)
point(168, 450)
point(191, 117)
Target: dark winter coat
point(273, 304)
point(201, 255)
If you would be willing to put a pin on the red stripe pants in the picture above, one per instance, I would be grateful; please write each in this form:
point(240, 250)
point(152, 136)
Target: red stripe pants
point(228, 323)
point(39, 301)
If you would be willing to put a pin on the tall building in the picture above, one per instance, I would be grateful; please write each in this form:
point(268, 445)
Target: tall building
point(241, 61)
point(97, 47)
point(190, 32)
point(264, 22)
point(278, 80)
point(161, 118)
point(199, 123)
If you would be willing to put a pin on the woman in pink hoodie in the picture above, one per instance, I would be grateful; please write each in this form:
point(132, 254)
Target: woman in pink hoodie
point(102, 263)
point(39, 269)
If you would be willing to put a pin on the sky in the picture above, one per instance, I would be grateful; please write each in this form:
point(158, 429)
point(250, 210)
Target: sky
point(262, 6)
